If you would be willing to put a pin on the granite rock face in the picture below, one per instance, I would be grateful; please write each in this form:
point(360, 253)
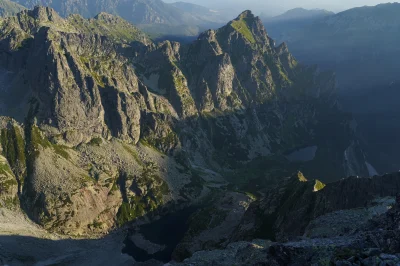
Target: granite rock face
point(113, 128)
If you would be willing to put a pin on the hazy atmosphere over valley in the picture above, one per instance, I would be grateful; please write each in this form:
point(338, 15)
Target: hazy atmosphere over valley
point(274, 8)
point(196, 133)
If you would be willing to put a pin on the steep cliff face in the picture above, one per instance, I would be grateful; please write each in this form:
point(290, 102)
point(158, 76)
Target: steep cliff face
point(80, 89)
point(252, 99)
point(116, 127)
point(66, 86)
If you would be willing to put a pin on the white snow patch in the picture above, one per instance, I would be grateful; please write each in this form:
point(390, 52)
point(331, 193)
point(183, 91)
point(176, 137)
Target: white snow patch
point(349, 161)
point(152, 83)
point(371, 170)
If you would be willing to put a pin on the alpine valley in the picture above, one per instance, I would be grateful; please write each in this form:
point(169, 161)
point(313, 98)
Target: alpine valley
point(181, 153)
point(361, 46)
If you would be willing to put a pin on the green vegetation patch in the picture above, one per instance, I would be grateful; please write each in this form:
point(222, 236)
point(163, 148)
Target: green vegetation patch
point(301, 177)
point(13, 146)
point(133, 153)
point(278, 73)
point(9, 202)
point(61, 150)
point(163, 143)
point(183, 92)
point(243, 28)
point(5, 169)
point(146, 143)
point(130, 211)
point(96, 141)
point(149, 190)
point(37, 139)
point(7, 185)
point(318, 185)
point(96, 224)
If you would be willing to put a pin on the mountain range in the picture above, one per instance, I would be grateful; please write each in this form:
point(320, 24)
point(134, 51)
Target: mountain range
point(360, 45)
point(298, 14)
point(366, 28)
point(290, 23)
point(191, 147)
point(9, 8)
point(157, 18)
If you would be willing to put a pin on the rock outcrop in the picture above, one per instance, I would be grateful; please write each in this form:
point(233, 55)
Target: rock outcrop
point(286, 210)
point(357, 226)
point(113, 128)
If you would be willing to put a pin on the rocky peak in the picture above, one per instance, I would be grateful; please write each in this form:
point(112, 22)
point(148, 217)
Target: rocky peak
point(250, 27)
point(111, 26)
point(282, 49)
point(43, 14)
point(106, 17)
point(247, 14)
point(29, 22)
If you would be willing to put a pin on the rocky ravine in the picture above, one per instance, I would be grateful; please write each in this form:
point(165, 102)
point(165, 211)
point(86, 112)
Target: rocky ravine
point(103, 128)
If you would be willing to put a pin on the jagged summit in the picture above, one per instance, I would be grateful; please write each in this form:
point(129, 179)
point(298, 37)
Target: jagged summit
point(37, 16)
point(43, 13)
point(246, 14)
point(106, 16)
point(248, 26)
point(111, 26)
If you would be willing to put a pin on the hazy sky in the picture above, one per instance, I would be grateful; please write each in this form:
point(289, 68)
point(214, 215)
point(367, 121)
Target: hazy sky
point(274, 7)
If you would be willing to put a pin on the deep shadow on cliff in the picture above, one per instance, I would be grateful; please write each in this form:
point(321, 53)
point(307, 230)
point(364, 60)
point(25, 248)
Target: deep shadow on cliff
point(27, 250)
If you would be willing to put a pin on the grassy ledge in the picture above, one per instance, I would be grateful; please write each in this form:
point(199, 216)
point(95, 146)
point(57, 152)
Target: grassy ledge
point(242, 27)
